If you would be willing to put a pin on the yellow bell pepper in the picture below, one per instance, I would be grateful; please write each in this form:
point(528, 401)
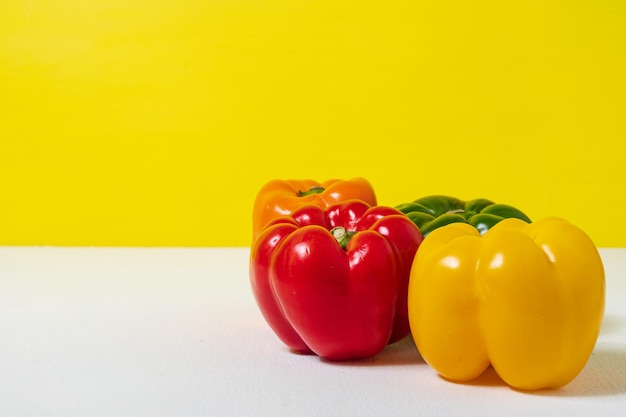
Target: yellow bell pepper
point(526, 298)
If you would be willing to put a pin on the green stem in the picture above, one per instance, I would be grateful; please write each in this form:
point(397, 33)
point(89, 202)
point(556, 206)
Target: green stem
point(316, 189)
point(342, 236)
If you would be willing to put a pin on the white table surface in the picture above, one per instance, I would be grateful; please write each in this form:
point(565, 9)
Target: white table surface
point(175, 332)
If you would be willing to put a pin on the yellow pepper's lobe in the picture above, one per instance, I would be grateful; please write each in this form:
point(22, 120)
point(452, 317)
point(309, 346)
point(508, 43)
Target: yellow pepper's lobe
point(443, 307)
point(527, 298)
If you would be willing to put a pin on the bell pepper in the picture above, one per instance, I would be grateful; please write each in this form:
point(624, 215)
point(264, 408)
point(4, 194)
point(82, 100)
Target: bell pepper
point(334, 281)
point(434, 211)
point(280, 197)
point(526, 298)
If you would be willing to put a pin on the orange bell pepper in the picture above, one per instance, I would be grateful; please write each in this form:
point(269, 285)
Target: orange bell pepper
point(280, 197)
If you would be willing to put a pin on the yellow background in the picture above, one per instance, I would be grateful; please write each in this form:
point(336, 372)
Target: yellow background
point(137, 122)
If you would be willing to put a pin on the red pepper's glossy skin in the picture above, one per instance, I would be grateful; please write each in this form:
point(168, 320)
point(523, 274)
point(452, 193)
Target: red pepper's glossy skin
point(337, 303)
point(263, 293)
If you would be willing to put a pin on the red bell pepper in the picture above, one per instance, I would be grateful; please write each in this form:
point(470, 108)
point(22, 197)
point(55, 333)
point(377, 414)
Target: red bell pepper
point(334, 281)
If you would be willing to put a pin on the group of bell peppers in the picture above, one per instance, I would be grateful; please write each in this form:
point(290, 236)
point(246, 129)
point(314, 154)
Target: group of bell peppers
point(474, 283)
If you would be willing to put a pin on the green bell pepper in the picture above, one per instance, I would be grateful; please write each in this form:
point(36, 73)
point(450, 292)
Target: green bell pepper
point(432, 212)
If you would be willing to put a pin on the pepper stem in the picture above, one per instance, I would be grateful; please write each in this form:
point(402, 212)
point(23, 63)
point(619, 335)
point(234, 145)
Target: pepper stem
point(316, 189)
point(342, 236)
